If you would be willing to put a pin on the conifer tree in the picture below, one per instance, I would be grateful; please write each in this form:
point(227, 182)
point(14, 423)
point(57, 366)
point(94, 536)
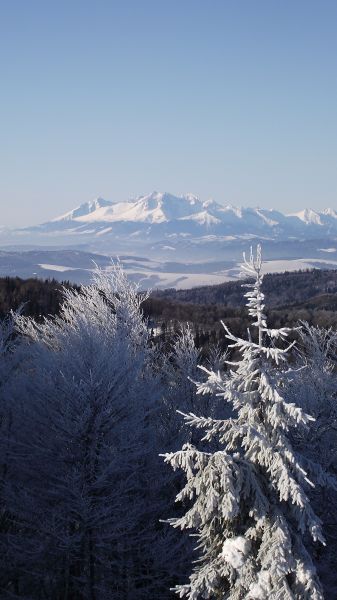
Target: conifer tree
point(248, 500)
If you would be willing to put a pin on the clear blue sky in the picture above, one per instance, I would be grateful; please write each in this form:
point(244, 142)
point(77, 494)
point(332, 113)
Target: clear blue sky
point(234, 100)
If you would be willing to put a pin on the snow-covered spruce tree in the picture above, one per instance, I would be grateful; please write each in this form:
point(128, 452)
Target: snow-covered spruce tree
point(83, 479)
point(249, 506)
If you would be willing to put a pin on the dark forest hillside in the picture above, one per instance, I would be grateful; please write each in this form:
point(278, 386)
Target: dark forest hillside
point(39, 297)
point(280, 288)
point(303, 295)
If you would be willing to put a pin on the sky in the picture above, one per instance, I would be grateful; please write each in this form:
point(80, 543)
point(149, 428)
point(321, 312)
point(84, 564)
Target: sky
point(234, 100)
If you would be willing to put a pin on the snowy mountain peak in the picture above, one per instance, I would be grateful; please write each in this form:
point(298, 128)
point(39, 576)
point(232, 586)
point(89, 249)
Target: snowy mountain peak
point(330, 212)
point(235, 210)
point(98, 203)
point(309, 217)
point(193, 199)
point(84, 209)
point(161, 214)
point(161, 207)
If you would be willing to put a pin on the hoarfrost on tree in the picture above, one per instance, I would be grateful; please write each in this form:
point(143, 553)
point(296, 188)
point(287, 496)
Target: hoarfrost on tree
point(84, 486)
point(248, 501)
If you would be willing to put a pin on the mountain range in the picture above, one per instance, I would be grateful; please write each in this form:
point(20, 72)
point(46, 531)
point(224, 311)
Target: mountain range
point(158, 215)
point(168, 241)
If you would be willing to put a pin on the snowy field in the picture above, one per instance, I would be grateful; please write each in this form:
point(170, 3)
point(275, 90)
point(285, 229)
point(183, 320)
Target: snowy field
point(77, 266)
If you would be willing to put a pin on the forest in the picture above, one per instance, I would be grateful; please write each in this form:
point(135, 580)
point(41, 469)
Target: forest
point(309, 296)
point(172, 444)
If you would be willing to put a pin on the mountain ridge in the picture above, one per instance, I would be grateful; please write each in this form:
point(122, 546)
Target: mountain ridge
point(162, 213)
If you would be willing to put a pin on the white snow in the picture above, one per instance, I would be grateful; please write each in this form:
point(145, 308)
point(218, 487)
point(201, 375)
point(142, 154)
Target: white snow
point(187, 214)
point(259, 590)
point(59, 268)
point(308, 216)
point(235, 550)
point(84, 210)
point(279, 266)
point(330, 212)
point(105, 230)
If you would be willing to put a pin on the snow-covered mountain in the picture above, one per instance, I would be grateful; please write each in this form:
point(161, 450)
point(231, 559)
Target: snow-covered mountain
point(153, 208)
point(177, 241)
point(161, 214)
point(84, 210)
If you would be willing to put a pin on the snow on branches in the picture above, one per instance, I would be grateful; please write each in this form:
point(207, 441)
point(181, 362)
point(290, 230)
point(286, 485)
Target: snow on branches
point(248, 500)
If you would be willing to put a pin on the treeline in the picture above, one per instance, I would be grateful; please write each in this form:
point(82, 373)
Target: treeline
point(286, 288)
point(308, 295)
point(205, 319)
point(298, 296)
point(304, 295)
point(38, 297)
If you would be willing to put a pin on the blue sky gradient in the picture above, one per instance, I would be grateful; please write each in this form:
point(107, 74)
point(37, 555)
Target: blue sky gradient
point(234, 100)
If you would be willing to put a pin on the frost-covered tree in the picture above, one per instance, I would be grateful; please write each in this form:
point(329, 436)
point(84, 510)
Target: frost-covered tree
point(313, 383)
point(180, 371)
point(248, 502)
point(84, 477)
point(185, 357)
